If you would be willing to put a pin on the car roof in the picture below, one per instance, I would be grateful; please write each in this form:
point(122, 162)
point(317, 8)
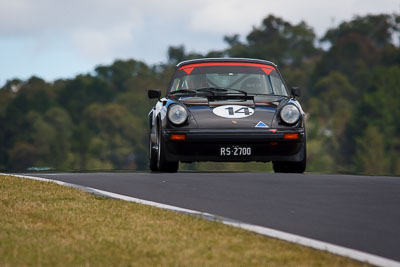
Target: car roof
point(206, 60)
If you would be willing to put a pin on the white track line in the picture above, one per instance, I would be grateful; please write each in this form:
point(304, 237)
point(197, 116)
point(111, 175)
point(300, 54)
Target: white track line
point(308, 242)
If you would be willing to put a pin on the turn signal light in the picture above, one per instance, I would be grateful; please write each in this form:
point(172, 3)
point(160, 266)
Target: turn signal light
point(291, 136)
point(178, 137)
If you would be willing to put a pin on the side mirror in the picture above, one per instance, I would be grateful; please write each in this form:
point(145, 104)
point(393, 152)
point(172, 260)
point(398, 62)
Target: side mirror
point(154, 94)
point(296, 91)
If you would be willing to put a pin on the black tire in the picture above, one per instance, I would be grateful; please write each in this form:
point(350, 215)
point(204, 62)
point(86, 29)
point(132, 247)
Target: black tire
point(163, 164)
point(152, 156)
point(290, 166)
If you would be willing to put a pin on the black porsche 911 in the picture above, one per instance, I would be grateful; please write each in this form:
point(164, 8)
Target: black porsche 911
point(226, 109)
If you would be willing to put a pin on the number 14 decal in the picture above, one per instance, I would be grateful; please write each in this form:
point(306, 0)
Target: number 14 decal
point(233, 111)
point(244, 110)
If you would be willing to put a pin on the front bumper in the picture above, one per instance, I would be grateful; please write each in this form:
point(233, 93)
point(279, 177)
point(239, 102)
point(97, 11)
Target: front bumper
point(205, 144)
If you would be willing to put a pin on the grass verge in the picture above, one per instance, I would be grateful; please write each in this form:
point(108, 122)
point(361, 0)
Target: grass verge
point(47, 224)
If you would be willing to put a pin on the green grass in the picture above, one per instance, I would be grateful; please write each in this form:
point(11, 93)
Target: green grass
point(44, 224)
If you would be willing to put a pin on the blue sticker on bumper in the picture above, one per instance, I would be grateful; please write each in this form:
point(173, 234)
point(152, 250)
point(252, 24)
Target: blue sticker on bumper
point(260, 124)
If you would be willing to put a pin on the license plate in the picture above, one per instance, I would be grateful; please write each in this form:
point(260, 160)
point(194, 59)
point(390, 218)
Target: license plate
point(235, 151)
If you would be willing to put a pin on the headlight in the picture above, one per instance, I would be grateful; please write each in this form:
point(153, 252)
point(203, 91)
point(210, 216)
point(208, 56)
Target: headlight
point(290, 114)
point(177, 114)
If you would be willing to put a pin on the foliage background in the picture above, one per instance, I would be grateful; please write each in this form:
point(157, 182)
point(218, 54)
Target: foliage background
point(98, 121)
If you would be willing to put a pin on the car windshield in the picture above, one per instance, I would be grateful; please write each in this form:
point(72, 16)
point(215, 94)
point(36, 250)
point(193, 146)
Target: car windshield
point(259, 79)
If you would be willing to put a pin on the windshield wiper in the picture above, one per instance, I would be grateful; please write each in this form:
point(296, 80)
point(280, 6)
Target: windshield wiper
point(239, 91)
point(195, 92)
point(213, 90)
point(183, 91)
point(262, 94)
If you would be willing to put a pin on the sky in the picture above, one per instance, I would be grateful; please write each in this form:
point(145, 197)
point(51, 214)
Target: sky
point(55, 39)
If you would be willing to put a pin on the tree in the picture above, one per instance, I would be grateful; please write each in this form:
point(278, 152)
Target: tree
point(379, 109)
point(359, 45)
point(60, 145)
point(116, 129)
point(351, 55)
point(378, 29)
point(21, 156)
point(178, 54)
point(76, 94)
point(331, 110)
point(370, 155)
point(121, 71)
point(81, 141)
point(276, 40)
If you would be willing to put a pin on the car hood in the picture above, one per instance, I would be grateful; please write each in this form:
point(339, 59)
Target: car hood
point(235, 112)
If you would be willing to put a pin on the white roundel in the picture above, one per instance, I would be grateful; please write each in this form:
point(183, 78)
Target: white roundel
point(233, 111)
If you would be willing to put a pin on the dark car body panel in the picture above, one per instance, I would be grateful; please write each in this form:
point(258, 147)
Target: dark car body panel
point(204, 145)
point(206, 132)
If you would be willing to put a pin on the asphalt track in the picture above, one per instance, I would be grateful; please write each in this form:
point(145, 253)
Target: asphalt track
point(359, 212)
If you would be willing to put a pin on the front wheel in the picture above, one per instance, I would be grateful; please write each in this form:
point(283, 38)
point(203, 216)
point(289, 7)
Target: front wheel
point(152, 156)
point(291, 166)
point(162, 163)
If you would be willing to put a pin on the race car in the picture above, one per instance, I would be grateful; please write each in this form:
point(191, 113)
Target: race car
point(227, 110)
